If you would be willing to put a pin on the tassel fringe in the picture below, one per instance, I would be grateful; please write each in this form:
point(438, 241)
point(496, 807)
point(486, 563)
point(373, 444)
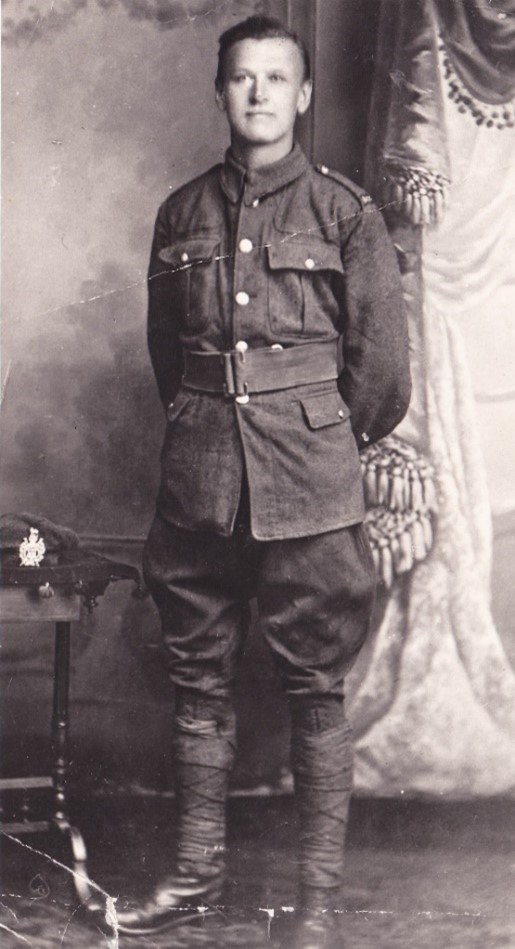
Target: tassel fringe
point(401, 501)
point(416, 193)
point(397, 477)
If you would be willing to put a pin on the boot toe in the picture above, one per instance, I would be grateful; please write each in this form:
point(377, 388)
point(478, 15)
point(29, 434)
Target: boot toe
point(319, 930)
point(177, 900)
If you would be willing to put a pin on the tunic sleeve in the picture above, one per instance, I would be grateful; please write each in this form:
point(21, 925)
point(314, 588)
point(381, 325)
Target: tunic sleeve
point(163, 323)
point(375, 380)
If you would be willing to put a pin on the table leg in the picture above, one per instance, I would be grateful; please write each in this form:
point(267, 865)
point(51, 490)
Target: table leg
point(60, 720)
point(60, 733)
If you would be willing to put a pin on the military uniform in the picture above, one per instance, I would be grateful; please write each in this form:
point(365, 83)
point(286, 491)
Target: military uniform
point(286, 255)
point(278, 340)
point(280, 262)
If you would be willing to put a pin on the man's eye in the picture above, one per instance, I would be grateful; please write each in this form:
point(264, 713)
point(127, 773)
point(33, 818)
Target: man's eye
point(276, 77)
point(239, 77)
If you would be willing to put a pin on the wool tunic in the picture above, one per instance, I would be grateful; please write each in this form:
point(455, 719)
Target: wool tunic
point(284, 255)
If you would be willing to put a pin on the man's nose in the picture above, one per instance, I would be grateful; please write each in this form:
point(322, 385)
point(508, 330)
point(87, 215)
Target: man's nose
point(258, 91)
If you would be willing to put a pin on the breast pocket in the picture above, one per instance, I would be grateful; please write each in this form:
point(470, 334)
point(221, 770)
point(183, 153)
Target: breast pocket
point(303, 287)
point(194, 262)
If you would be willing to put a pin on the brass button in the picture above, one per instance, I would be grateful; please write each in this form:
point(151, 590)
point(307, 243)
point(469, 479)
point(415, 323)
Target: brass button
point(246, 245)
point(185, 257)
point(341, 413)
point(241, 346)
point(324, 170)
point(255, 203)
point(365, 437)
point(242, 298)
point(309, 263)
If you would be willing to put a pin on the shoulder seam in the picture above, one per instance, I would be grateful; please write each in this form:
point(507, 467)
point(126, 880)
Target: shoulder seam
point(357, 192)
point(193, 181)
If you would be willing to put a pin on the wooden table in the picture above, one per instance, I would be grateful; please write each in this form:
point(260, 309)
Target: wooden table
point(56, 592)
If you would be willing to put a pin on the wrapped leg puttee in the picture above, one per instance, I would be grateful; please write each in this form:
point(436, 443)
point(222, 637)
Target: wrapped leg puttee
point(204, 749)
point(322, 762)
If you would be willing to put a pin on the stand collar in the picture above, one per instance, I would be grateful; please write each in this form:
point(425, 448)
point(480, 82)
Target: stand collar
point(258, 182)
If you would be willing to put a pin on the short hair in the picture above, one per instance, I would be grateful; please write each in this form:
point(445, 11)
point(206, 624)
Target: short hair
point(258, 28)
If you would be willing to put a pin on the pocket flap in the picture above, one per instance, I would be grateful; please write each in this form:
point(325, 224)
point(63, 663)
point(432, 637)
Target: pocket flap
point(323, 409)
point(174, 409)
point(187, 251)
point(309, 257)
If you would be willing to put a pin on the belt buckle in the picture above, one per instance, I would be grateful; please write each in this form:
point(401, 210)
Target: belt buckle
point(244, 398)
point(235, 387)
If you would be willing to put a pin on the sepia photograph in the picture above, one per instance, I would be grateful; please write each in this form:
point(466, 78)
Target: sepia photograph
point(257, 474)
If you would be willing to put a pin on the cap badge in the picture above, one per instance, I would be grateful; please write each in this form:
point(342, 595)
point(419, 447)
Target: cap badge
point(32, 549)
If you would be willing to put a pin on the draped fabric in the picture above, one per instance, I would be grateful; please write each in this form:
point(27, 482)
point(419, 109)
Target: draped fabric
point(468, 265)
point(479, 36)
point(433, 698)
point(408, 160)
point(434, 711)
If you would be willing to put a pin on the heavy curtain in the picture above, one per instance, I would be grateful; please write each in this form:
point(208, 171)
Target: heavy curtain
point(433, 701)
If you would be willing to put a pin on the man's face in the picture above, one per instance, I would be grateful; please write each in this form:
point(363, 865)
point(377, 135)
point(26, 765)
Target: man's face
point(263, 91)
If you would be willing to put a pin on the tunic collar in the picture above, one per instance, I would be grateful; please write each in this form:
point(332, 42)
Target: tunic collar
point(258, 182)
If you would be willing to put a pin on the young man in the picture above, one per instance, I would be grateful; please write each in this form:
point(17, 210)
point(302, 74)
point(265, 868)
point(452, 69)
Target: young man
point(258, 268)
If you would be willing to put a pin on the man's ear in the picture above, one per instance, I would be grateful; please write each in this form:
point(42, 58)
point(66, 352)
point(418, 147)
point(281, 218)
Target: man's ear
point(220, 99)
point(304, 96)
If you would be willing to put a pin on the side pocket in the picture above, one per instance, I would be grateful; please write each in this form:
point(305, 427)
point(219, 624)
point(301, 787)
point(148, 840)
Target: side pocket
point(324, 409)
point(173, 414)
point(177, 407)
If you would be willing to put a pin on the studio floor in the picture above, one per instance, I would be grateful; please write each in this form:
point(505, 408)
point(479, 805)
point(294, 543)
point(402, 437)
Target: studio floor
point(419, 876)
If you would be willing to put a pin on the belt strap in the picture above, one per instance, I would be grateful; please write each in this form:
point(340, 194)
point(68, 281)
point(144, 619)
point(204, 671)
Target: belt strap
point(239, 373)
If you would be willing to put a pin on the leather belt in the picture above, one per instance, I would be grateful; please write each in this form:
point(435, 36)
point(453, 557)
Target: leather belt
point(242, 371)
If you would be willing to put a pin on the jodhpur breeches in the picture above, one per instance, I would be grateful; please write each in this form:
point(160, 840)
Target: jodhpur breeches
point(314, 596)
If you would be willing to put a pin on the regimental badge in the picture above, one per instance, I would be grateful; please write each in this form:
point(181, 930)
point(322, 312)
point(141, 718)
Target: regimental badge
point(32, 549)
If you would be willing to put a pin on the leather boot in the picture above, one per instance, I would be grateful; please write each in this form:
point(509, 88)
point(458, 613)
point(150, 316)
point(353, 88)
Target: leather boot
point(204, 753)
point(177, 900)
point(317, 930)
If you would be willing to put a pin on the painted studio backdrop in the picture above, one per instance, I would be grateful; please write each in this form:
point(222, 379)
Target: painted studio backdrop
point(108, 105)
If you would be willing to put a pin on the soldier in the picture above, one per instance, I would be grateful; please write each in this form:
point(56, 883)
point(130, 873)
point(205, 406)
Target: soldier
point(259, 267)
